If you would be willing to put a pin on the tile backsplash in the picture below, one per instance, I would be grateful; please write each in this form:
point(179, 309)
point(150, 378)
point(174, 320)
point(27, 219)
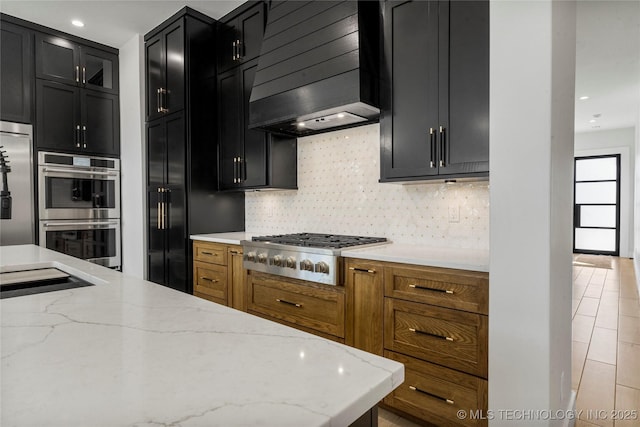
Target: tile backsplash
point(338, 192)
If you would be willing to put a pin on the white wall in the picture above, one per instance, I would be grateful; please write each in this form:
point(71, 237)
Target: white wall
point(338, 192)
point(531, 154)
point(617, 141)
point(132, 156)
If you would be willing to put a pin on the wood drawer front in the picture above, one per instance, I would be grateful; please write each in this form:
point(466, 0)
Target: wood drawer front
point(210, 252)
point(211, 280)
point(312, 306)
point(459, 289)
point(452, 338)
point(433, 385)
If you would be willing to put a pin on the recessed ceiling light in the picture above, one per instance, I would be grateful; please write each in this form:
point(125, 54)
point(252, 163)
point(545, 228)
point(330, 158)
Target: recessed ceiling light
point(340, 115)
point(301, 124)
point(77, 23)
point(582, 98)
point(592, 121)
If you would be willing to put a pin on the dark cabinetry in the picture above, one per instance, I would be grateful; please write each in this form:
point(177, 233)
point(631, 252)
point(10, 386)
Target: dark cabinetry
point(64, 61)
point(181, 147)
point(240, 35)
point(16, 73)
point(165, 71)
point(72, 119)
point(250, 158)
point(435, 107)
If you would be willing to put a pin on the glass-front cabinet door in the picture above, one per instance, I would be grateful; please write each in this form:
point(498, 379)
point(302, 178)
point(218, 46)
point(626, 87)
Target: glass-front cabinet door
point(99, 70)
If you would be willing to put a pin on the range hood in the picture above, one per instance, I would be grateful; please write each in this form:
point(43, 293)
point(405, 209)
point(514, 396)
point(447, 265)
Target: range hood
point(318, 68)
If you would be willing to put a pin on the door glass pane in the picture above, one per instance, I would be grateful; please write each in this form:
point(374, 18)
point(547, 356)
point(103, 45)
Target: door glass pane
point(595, 239)
point(99, 71)
point(85, 244)
point(595, 192)
point(63, 193)
point(597, 216)
point(598, 169)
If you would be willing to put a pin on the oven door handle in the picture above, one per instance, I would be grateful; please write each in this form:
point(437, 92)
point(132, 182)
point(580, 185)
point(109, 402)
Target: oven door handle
point(79, 171)
point(64, 224)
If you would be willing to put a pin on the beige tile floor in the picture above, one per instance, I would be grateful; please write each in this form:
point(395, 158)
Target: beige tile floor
point(606, 344)
point(605, 348)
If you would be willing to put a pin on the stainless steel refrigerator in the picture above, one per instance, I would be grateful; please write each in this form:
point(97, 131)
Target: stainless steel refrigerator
point(17, 212)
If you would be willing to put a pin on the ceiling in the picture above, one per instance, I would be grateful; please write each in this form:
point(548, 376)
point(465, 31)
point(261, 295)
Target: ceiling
point(607, 57)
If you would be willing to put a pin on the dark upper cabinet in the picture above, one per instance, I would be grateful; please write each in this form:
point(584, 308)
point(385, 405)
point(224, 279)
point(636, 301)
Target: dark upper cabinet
point(16, 73)
point(61, 60)
point(250, 159)
point(434, 119)
point(72, 119)
point(240, 35)
point(165, 54)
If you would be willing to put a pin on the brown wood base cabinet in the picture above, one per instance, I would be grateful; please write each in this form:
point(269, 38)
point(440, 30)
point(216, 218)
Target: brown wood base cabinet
point(218, 274)
point(435, 322)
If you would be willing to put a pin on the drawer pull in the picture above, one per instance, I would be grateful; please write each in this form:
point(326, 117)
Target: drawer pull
point(424, 288)
point(234, 252)
point(208, 253)
point(289, 302)
point(449, 401)
point(362, 270)
point(417, 331)
point(209, 280)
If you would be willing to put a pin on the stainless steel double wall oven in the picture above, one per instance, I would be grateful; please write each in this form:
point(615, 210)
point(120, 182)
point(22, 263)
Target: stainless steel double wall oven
point(79, 206)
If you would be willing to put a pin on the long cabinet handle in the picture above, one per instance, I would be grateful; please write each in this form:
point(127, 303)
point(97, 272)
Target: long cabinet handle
point(241, 170)
point(418, 331)
point(432, 148)
point(77, 137)
point(77, 74)
point(84, 75)
point(158, 101)
point(435, 396)
point(238, 49)
point(362, 270)
point(159, 209)
point(235, 170)
point(233, 51)
point(207, 279)
point(426, 288)
point(84, 136)
point(443, 142)
point(163, 100)
point(295, 304)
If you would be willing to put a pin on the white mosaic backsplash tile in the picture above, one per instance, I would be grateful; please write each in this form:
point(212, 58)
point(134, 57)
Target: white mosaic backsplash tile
point(338, 192)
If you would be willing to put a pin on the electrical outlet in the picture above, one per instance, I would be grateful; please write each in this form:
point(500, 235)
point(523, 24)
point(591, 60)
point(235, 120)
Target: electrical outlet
point(454, 213)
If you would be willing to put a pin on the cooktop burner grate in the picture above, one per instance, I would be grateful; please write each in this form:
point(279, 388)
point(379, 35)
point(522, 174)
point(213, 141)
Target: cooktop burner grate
point(318, 240)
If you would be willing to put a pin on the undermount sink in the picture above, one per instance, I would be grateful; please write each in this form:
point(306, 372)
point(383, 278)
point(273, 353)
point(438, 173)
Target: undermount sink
point(36, 281)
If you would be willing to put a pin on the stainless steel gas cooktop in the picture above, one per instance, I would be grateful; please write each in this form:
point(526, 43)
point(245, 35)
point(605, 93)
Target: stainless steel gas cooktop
point(307, 256)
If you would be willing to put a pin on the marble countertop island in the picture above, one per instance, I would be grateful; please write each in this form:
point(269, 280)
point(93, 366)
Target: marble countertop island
point(127, 352)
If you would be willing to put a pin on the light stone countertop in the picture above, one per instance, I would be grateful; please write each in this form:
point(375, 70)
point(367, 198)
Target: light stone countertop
point(232, 238)
point(127, 352)
point(463, 259)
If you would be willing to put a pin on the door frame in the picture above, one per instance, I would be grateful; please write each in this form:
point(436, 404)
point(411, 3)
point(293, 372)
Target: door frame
point(618, 157)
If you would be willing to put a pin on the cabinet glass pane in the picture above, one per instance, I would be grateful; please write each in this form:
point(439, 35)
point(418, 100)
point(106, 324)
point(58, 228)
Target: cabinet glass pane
point(594, 239)
point(598, 169)
point(595, 192)
point(597, 216)
point(99, 71)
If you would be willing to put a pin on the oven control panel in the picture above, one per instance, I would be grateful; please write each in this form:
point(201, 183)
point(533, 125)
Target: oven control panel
point(314, 267)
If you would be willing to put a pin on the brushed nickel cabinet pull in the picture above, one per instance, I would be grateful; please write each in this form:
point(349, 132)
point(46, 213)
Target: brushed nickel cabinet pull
point(209, 279)
point(435, 396)
point(84, 75)
point(84, 137)
point(289, 303)
point(362, 270)
point(432, 146)
point(238, 49)
point(442, 147)
point(235, 170)
point(162, 100)
point(233, 51)
point(158, 101)
point(425, 288)
point(77, 74)
point(159, 207)
point(442, 337)
point(77, 136)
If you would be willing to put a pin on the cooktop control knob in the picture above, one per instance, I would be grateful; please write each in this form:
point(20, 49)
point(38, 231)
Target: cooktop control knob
point(322, 267)
point(262, 258)
point(278, 261)
point(306, 265)
point(251, 256)
point(291, 262)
